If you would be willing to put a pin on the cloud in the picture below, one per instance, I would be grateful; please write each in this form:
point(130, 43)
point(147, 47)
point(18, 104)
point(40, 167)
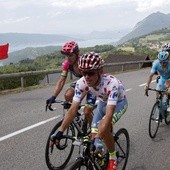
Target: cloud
point(146, 5)
point(82, 3)
point(64, 16)
point(9, 21)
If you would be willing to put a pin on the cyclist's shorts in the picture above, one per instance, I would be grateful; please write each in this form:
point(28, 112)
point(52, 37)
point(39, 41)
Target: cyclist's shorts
point(90, 99)
point(73, 84)
point(161, 84)
point(99, 113)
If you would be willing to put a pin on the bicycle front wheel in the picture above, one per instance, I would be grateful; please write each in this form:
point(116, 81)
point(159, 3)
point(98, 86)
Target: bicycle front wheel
point(58, 156)
point(154, 120)
point(122, 146)
point(81, 165)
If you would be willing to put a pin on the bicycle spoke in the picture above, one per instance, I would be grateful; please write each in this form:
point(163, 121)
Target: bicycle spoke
point(57, 156)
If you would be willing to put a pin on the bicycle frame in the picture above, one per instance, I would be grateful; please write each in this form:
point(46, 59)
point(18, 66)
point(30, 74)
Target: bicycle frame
point(163, 102)
point(86, 156)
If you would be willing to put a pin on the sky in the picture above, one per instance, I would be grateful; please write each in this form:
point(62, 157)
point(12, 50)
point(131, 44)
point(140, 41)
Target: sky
point(75, 16)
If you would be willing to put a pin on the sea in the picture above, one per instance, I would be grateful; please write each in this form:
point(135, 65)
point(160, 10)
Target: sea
point(83, 44)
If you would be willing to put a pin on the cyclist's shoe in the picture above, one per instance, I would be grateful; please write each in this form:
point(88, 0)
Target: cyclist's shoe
point(112, 165)
point(54, 139)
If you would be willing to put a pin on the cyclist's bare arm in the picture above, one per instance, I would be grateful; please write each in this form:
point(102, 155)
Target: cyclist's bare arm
point(150, 79)
point(69, 116)
point(59, 86)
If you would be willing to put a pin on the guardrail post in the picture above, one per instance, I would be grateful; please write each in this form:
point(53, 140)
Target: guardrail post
point(139, 65)
point(48, 81)
point(22, 82)
point(122, 67)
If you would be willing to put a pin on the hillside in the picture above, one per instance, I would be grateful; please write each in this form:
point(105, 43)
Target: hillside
point(153, 22)
point(29, 52)
point(152, 41)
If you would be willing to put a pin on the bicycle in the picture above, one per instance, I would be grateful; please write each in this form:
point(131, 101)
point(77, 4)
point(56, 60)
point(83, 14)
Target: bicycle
point(158, 112)
point(78, 128)
point(89, 160)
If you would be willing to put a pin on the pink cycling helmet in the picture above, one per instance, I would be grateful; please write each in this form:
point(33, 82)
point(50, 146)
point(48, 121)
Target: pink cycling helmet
point(69, 48)
point(90, 61)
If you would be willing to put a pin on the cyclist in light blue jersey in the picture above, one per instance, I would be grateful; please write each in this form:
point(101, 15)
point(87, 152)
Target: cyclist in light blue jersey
point(162, 67)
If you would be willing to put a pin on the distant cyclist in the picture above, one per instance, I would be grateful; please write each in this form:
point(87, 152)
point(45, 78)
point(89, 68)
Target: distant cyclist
point(71, 51)
point(166, 47)
point(112, 104)
point(162, 66)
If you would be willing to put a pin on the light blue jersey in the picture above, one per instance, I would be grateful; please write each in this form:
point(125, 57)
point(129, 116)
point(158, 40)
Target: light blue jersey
point(163, 72)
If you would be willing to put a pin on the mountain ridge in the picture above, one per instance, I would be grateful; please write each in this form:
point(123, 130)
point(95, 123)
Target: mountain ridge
point(153, 22)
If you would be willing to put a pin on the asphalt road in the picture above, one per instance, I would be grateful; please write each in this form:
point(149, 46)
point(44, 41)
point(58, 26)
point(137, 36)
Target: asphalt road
point(24, 128)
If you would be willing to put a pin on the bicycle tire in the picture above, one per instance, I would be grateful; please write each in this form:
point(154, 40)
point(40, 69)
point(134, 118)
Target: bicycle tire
point(122, 147)
point(79, 164)
point(167, 118)
point(154, 120)
point(61, 154)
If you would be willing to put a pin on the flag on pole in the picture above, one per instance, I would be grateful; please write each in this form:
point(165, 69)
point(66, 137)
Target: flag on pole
point(4, 51)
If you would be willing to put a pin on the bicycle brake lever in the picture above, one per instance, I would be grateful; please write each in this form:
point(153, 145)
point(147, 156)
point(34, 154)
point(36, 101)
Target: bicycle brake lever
point(146, 93)
point(49, 106)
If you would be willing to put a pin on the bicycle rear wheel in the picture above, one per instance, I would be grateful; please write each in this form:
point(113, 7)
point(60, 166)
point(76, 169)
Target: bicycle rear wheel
point(167, 118)
point(154, 120)
point(122, 146)
point(58, 156)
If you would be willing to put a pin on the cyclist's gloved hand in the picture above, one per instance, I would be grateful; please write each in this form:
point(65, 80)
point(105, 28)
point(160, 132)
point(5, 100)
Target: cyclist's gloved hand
point(56, 136)
point(50, 100)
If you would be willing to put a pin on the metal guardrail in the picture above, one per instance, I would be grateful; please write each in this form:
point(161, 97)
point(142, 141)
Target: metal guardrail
point(47, 72)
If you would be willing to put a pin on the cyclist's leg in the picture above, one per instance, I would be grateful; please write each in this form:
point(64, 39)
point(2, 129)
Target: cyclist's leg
point(108, 138)
point(70, 92)
point(160, 86)
point(120, 109)
point(98, 115)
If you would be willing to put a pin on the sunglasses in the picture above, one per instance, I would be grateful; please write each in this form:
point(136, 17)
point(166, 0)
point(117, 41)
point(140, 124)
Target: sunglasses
point(88, 73)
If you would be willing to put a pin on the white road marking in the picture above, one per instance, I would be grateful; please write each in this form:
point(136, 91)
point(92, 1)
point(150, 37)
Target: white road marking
point(145, 83)
point(27, 128)
point(128, 89)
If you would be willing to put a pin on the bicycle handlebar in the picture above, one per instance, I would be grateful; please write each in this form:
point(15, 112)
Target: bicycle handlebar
point(65, 104)
point(151, 89)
